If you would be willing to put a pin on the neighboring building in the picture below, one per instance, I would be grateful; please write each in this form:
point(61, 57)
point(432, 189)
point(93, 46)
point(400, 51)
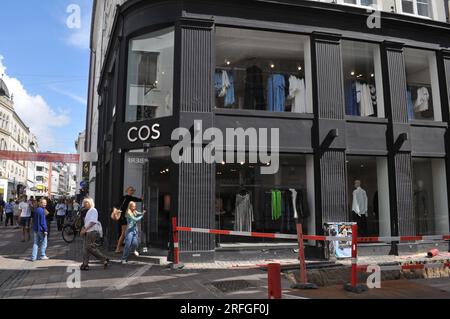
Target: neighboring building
point(14, 136)
point(80, 147)
point(42, 179)
point(31, 168)
point(353, 105)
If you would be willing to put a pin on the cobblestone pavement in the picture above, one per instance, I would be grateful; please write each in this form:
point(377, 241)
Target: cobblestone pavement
point(48, 279)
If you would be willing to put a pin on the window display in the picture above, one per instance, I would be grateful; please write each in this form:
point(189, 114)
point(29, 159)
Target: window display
point(362, 79)
point(423, 95)
point(150, 76)
point(260, 70)
point(430, 198)
point(249, 201)
point(369, 195)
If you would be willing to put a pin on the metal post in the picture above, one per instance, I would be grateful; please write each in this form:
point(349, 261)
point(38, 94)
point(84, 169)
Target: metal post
point(274, 280)
point(354, 255)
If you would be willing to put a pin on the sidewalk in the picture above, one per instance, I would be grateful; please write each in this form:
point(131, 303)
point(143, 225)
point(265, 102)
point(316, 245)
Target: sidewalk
point(47, 279)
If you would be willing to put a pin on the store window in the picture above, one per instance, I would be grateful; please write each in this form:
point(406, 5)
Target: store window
point(363, 81)
point(421, 8)
point(260, 70)
point(423, 95)
point(150, 76)
point(368, 191)
point(430, 196)
point(246, 200)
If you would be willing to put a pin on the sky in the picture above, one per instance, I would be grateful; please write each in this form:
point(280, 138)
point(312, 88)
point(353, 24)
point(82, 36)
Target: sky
point(44, 61)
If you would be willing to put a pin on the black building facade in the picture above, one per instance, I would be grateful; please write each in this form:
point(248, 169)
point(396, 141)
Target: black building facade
point(355, 106)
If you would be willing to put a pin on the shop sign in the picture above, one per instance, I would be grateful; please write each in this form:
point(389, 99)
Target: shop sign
point(144, 133)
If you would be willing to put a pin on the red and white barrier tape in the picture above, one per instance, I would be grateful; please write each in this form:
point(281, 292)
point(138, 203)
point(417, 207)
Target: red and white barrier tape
point(401, 238)
point(259, 235)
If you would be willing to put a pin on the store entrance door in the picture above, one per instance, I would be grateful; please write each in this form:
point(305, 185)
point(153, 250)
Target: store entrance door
point(157, 202)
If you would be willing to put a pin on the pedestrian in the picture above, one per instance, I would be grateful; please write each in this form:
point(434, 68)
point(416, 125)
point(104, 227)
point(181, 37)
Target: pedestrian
point(49, 214)
point(122, 223)
point(40, 230)
point(16, 214)
point(131, 238)
point(25, 219)
point(75, 207)
point(69, 204)
point(92, 232)
point(61, 211)
point(9, 212)
point(2, 208)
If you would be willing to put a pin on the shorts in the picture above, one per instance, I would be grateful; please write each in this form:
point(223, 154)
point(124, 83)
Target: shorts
point(25, 222)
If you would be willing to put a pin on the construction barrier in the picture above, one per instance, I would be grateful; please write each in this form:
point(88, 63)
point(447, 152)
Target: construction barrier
point(354, 287)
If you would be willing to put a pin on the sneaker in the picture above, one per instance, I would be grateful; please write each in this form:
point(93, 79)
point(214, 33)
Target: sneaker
point(44, 258)
point(30, 260)
point(136, 253)
point(124, 262)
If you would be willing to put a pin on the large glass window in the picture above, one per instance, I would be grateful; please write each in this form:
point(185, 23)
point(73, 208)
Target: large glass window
point(430, 196)
point(150, 76)
point(249, 201)
point(362, 79)
point(423, 94)
point(368, 189)
point(259, 70)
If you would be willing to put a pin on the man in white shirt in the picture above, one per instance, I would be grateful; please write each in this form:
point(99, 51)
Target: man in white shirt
point(25, 218)
point(359, 208)
point(61, 211)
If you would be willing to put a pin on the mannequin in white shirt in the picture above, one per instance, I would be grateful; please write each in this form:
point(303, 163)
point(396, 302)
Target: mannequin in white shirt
point(359, 208)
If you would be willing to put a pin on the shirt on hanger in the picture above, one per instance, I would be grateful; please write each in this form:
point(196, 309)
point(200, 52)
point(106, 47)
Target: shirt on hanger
point(297, 92)
point(423, 98)
point(275, 93)
point(360, 200)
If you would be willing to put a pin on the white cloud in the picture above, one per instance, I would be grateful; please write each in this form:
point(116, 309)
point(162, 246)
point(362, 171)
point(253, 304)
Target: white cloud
point(71, 95)
point(35, 112)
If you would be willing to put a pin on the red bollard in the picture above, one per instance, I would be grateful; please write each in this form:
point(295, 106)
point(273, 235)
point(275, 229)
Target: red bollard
point(274, 277)
point(176, 247)
point(354, 255)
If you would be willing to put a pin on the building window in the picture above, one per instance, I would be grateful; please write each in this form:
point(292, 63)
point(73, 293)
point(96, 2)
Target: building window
point(423, 95)
point(421, 8)
point(150, 76)
point(247, 200)
point(430, 196)
point(361, 3)
point(260, 70)
point(368, 191)
point(363, 79)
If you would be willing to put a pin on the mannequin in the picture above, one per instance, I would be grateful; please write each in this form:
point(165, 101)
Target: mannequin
point(359, 207)
point(294, 202)
point(421, 208)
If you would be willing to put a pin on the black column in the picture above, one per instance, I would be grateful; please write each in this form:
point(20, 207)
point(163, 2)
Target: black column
point(403, 221)
point(444, 77)
point(196, 181)
point(330, 141)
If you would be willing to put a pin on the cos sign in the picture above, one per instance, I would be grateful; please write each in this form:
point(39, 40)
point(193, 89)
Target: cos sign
point(144, 133)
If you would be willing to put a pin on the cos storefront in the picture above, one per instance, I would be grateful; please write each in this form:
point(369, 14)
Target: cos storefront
point(362, 122)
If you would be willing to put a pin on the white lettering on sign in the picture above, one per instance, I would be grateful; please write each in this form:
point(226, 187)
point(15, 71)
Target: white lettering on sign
point(144, 133)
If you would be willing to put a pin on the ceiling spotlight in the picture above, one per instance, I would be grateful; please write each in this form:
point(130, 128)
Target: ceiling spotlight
point(372, 75)
point(299, 68)
point(353, 73)
point(228, 62)
point(272, 66)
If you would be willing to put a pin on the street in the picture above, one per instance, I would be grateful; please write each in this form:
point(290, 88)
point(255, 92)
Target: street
point(56, 279)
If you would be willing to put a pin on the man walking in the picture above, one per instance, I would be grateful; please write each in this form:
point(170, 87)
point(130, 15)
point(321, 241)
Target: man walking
point(9, 212)
point(40, 232)
point(2, 208)
point(25, 219)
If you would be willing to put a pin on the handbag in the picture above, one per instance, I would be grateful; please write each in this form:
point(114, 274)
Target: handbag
point(116, 213)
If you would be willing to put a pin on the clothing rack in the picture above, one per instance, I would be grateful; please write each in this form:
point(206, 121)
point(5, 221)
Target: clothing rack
point(416, 84)
point(227, 68)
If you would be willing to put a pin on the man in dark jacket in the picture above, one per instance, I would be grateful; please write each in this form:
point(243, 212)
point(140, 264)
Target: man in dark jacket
point(40, 232)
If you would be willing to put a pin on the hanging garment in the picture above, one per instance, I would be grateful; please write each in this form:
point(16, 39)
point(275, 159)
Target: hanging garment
point(276, 205)
point(297, 91)
point(360, 200)
point(254, 89)
point(352, 102)
point(423, 99)
point(287, 214)
point(421, 210)
point(229, 96)
point(275, 93)
point(365, 102)
point(373, 95)
point(244, 213)
point(410, 105)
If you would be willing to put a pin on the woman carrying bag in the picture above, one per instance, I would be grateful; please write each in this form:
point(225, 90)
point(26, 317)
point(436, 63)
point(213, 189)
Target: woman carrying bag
point(119, 215)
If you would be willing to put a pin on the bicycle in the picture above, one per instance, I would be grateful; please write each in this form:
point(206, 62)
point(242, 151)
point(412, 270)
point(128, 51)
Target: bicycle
point(72, 229)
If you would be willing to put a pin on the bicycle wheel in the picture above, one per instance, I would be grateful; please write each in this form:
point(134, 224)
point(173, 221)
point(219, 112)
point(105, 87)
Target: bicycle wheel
point(69, 233)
